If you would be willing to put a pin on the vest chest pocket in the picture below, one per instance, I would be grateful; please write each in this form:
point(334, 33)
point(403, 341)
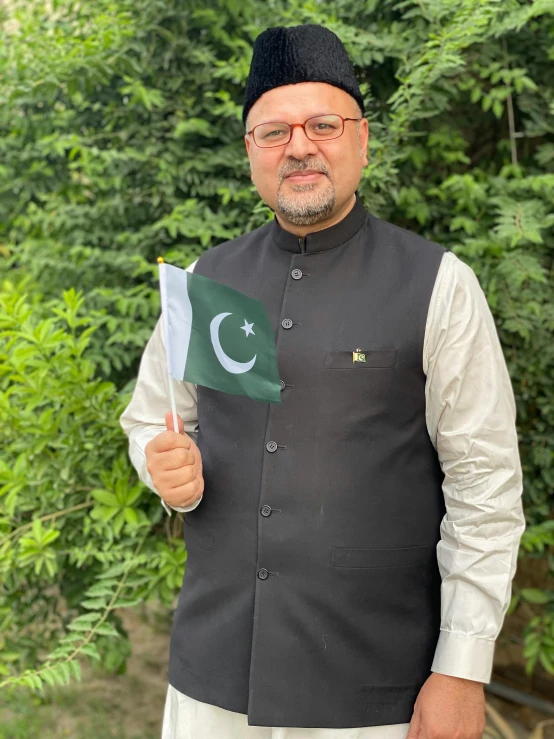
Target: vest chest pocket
point(197, 537)
point(374, 359)
point(381, 558)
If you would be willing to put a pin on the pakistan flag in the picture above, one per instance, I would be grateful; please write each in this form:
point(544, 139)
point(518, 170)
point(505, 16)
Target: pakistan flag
point(218, 337)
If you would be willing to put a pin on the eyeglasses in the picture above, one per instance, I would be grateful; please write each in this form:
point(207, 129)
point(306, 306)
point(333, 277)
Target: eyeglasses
point(318, 128)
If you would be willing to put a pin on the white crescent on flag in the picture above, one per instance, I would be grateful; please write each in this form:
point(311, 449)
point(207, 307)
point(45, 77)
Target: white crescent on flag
point(236, 368)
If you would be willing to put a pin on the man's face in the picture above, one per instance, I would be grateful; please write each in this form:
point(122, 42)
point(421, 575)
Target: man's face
point(340, 161)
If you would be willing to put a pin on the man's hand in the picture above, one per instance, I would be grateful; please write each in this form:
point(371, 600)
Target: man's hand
point(448, 708)
point(175, 465)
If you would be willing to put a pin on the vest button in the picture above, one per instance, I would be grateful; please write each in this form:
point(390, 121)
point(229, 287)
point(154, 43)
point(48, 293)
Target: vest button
point(266, 510)
point(296, 274)
point(282, 384)
point(263, 574)
point(271, 446)
point(286, 323)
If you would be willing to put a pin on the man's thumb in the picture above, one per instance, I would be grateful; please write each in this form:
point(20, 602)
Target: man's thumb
point(169, 422)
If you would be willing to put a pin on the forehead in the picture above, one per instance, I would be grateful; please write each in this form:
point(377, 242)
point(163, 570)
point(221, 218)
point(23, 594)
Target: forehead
point(300, 101)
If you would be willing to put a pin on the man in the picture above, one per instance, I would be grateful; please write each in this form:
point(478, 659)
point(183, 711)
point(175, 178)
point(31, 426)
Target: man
point(351, 549)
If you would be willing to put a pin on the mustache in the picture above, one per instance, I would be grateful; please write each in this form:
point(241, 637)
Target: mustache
point(316, 167)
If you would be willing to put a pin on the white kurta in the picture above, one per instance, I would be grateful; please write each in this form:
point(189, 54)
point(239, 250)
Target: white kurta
point(470, 416)
point(186, 718)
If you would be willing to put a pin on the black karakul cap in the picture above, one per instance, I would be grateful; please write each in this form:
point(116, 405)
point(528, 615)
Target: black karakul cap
point(306, 53)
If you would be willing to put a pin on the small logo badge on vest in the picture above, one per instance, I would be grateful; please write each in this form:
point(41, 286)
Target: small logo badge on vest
point(358, 356)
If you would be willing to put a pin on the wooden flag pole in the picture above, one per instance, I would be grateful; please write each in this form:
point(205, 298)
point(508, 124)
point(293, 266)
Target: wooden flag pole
point(165, 318)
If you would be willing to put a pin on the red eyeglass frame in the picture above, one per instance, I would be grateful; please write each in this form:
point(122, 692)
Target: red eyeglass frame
point(303, 126)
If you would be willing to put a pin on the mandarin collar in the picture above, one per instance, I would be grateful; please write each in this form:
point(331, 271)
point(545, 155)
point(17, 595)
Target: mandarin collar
point(327, 238)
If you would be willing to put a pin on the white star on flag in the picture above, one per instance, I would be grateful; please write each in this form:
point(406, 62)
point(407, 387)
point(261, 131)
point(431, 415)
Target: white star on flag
point(247, 328)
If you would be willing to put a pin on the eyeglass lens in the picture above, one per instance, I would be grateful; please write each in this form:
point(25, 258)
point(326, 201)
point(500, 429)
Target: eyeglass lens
point(319, 128)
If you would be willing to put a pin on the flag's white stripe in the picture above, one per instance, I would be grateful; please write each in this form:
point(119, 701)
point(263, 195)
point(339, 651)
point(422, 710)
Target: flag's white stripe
point(179, 319)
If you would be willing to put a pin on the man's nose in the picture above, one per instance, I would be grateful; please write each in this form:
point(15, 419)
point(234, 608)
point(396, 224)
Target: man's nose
point(300, 145)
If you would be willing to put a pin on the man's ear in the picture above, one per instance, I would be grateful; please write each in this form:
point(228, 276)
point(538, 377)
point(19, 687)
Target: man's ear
point(248, 144)
point(364, 137)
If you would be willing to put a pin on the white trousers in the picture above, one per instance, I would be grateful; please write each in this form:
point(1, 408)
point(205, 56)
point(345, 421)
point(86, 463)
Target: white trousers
point(187, 718)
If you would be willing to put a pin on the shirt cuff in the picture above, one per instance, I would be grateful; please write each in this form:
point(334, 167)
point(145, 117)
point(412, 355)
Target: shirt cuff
point(462, 655)
point(184, 509)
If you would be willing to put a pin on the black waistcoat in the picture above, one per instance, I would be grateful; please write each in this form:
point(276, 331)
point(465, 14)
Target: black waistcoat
point(311, 596)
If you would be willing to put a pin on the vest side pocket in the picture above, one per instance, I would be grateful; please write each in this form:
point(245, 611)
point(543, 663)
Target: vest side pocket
point(381, 558)
point(197, 537)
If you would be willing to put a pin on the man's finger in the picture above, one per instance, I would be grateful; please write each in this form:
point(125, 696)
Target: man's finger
point(413, 729)
point(183, 495)
point(168, 440)
point(174, 459)
point(170, 479)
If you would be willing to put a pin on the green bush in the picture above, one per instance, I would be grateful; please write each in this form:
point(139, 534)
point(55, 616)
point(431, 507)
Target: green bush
point(121, 139)
point(80, 538)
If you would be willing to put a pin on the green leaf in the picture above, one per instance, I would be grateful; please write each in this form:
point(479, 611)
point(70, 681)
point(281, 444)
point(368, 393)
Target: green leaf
point(130, 516)
point(107, 629)
point(84, 622)
point(106, 498)
point(48, 678)
point(101, 588)
point(75, 668)
point(513, 603)
point(546, 662)
point(534, 595)
point(90, 651)
point(94, 603)
point(37, 529)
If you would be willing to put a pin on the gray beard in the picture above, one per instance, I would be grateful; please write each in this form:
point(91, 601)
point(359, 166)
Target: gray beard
point(310, 206)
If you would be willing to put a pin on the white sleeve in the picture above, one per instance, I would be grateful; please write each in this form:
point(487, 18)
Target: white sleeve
point(471, 414)
point(144, 417)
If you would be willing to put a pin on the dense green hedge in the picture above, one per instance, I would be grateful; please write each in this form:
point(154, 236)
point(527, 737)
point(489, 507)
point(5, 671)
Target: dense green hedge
point(120, 140)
